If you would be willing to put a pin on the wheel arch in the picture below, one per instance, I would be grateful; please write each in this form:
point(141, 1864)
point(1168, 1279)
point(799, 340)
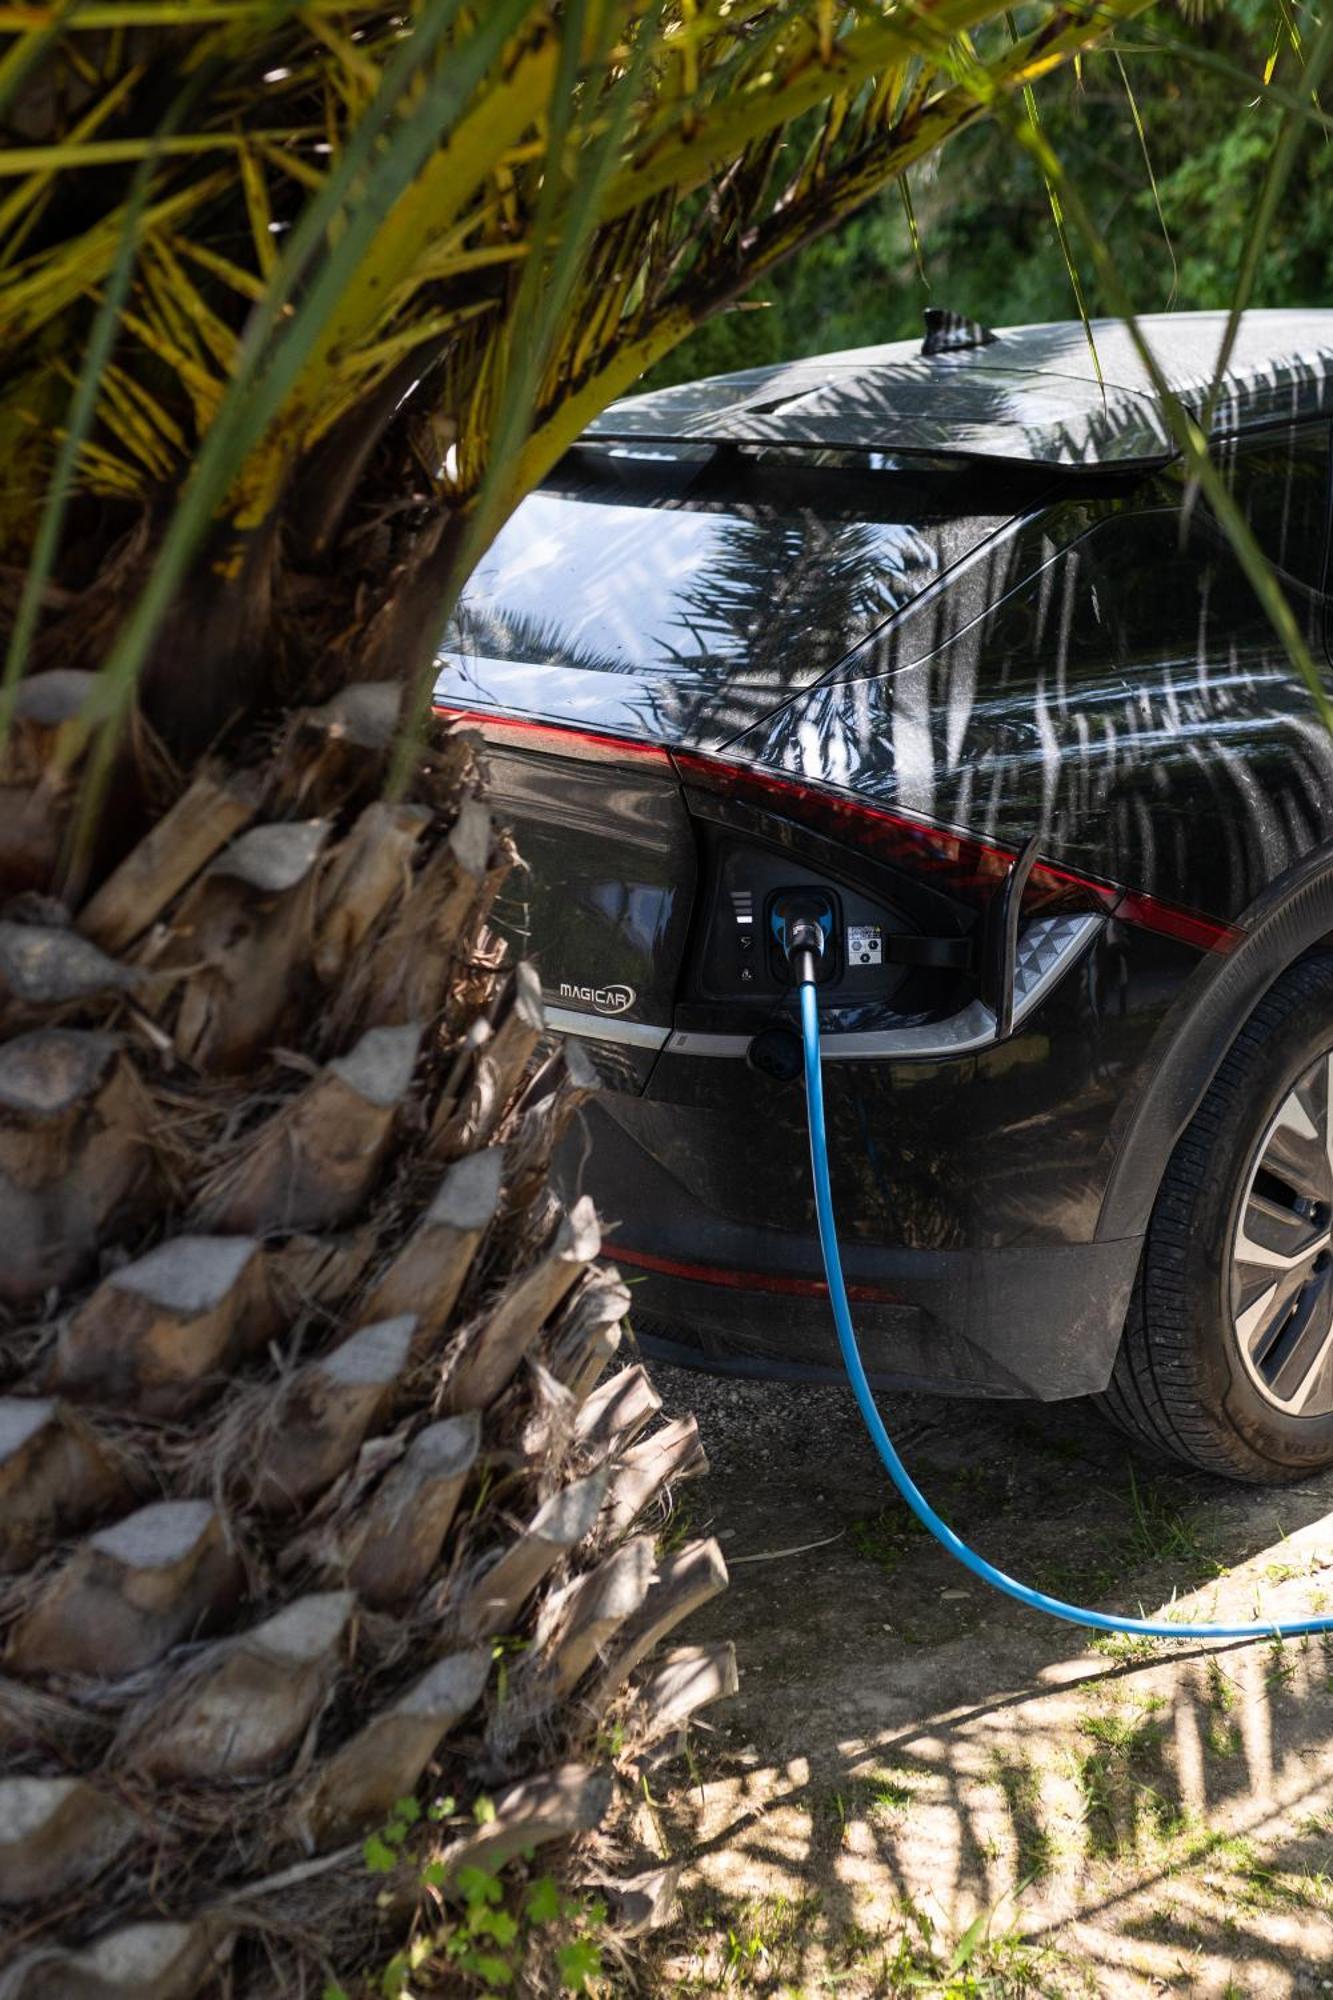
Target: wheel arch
point(1293, 917)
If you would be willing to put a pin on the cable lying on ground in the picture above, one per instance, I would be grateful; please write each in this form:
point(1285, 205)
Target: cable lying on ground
point(803, 952)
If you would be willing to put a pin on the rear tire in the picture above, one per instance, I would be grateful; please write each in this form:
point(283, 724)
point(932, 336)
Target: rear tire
point(1210, 1363)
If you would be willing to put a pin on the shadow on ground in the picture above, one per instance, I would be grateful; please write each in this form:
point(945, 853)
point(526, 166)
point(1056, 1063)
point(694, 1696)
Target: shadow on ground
point(922, 1788)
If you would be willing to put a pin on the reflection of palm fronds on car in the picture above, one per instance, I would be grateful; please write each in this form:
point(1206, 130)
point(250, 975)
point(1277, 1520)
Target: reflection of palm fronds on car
point(488, 631)
point(783, 584)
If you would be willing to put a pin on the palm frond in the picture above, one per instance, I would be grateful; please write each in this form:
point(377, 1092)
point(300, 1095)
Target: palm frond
point(487, 221)
point(1291, 130)
point(1190, 438)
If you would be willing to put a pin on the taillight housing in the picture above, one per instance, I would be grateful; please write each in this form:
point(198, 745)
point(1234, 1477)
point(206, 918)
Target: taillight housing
point(967, 869)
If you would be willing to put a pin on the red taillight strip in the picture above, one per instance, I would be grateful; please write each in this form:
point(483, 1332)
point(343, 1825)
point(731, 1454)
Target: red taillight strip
point(1171, 920)
point(891, 833)
point(745, 1281)
point(561, 738)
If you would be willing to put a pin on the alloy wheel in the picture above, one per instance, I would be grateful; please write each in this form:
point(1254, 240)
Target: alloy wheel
point(1281, 1257)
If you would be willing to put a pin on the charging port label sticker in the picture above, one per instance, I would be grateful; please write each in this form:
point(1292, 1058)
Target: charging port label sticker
point(865, 944)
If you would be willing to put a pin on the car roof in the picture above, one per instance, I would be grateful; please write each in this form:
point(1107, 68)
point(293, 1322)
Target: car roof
point(1031, 395)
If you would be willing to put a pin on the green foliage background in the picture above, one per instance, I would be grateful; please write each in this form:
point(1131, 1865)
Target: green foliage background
point(983, 216)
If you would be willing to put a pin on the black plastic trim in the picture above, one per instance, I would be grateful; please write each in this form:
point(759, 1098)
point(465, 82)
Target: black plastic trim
point(1002, 940)
point(1292, 917)
point(953, 954)
point(1040, 1321)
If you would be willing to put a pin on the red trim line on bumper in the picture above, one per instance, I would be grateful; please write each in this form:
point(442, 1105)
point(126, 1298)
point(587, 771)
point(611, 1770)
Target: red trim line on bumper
point(746, 1281)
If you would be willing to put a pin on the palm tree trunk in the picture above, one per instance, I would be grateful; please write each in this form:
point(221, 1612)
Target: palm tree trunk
point(323, 1482)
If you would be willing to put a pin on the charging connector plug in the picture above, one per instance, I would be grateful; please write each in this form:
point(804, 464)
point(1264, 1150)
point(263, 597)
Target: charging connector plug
point(803, 923)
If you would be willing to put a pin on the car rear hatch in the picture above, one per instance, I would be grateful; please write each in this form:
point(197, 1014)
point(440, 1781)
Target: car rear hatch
point(651, 602)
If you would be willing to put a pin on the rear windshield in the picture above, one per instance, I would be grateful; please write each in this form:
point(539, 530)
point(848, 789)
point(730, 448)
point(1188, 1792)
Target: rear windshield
point(720, 561)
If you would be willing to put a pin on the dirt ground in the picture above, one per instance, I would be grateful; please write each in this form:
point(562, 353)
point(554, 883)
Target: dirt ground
point(923, 1789)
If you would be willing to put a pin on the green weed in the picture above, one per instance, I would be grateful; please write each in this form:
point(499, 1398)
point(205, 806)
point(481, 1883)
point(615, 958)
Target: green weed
point(1159, 1532)
point(884, 1794)
point(885, 1538)
point(493, 1922)
point(1128, 1649)
point(1221, 1731)
point(1122, 1779)
point(875, 1796)
point(758, 1949)
point(761, 1935)
point(676, 1530)
point(1146, 1530)
point(987, 1962)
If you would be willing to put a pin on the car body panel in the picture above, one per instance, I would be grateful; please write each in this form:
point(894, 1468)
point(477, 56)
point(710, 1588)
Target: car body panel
point(1064, 659)
point(1036, 395)
point(1108, 680)
point(603, 896)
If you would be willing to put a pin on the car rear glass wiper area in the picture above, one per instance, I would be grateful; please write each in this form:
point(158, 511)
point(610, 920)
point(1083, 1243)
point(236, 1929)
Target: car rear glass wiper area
point(839, 482)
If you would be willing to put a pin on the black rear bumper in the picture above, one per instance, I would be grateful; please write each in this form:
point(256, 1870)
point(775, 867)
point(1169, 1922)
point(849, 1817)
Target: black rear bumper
point(1035, 1320)
point(969, 1194)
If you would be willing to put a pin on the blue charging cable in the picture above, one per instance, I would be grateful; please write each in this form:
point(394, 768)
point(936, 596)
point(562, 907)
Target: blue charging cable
point(1036, 1600)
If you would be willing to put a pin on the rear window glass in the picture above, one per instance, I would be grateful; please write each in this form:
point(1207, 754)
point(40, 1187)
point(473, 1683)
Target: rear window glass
point(714, 561)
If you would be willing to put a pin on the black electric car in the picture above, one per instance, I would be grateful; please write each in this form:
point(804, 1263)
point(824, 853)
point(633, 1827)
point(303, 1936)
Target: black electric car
point(947, 634)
